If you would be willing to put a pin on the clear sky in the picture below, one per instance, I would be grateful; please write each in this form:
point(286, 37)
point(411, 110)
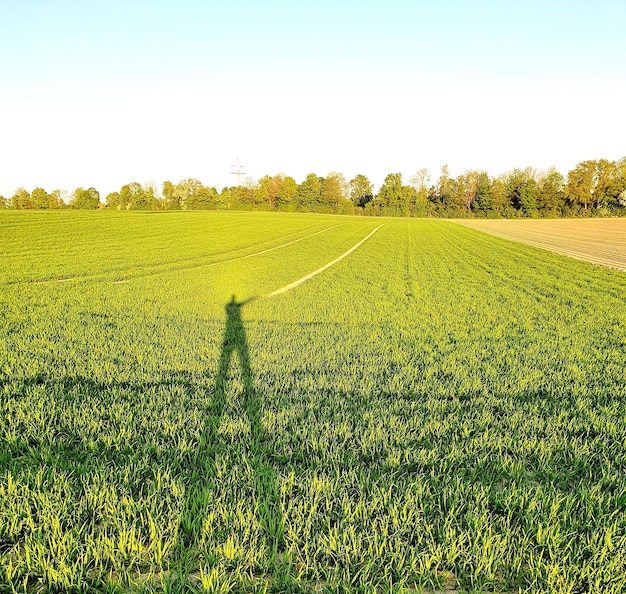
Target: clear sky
point(102, 93)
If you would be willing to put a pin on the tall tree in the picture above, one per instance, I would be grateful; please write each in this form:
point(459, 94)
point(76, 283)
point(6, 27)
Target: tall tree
point(88, 199)
point(483, 202)
point(620, 184)
point(333, 193)
point(169, 196)
point(309, 193)
point(151, 196)
point(203, 199)
point(247, 192)
point(227, 199)
point(528, 198)
point(421, 179)
point(40, 198)
point(410, 199)
point(513, 183)
point(466, 188)
point(239, 197)
point(361, 191)
point(581, 185)
point(288, 193)
point(341, 180)
point(21, 199)
point(185, 191)
point(113, 200)
point(420, 182)
point(443, 195)
point(268, 190)
point(499, 198)
point(181, 196)
point(604, 181)
point(57, 199)
point(392, 196)
point(133, 197)
point(550, 193)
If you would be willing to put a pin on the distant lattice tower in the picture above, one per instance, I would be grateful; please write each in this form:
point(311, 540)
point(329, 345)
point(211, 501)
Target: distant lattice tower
point(238, 171)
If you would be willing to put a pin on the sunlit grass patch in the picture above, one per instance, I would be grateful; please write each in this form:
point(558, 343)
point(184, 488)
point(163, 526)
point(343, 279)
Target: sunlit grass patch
point(439, 410)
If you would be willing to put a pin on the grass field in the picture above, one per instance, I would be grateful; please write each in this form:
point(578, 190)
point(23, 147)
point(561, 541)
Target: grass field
point(439, 410)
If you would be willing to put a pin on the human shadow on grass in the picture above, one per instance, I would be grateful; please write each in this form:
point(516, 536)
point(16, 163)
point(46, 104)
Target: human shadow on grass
point(203, 471)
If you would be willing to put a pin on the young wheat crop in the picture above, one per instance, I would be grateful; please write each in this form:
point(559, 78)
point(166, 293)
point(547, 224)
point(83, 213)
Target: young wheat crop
point(439, 409)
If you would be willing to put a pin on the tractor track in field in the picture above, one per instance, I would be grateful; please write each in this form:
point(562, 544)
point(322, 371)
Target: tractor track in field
point(309, 276)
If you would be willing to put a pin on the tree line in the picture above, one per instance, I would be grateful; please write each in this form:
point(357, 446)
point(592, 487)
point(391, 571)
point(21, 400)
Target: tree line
point(592, 188)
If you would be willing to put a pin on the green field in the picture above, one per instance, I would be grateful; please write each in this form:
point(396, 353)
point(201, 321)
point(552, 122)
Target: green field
point(441, 409)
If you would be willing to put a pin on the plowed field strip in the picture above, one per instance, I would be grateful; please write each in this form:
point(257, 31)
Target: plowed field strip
point(600, 241)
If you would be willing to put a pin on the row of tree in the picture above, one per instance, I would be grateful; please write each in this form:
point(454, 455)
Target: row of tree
point(593, 187)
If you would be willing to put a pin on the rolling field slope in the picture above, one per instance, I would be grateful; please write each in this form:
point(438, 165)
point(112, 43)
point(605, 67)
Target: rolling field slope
point(438, 408)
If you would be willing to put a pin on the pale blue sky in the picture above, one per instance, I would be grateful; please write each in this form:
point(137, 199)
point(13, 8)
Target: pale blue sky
point(104, 93)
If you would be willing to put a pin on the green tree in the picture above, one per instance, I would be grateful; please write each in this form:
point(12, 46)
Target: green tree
point(287, 196)
point(344, 186)
point(619, 184)
point(465, 190)
point(333, 193)
point(21, 199)
point(604, 182)
point(185, 195)
point(88, 199)
point(185, 191)
point(499, 197)
point(528, 198)
point(444, 191)
point(203, 199)
point(513, 183)
point(151, 197)
point(227, 200)
point(4, 203)
point(309, 193)
point(361, 191)
point(57, 199)
point(392, 197)
point(40, 198)
point(113, 200)
point(420, 182)
point(410, 199)
point(581, 185)
point(550, 193)
point(593, 184)
point(239, 197)
point(169, 196)
point(483, 202)
point(247, 192)
point(263, 193)
point(268, 190)
point(132, 197)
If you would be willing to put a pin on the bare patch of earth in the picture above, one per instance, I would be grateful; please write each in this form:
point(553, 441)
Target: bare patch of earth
point(601, 241)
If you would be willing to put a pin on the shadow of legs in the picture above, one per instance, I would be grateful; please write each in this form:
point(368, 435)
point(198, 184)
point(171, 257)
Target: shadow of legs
point(202, 471)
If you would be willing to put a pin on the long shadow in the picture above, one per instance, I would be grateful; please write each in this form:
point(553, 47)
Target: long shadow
point(202, 473)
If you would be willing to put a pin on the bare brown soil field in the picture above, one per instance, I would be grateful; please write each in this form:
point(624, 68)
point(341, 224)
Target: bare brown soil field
point(601, 241)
